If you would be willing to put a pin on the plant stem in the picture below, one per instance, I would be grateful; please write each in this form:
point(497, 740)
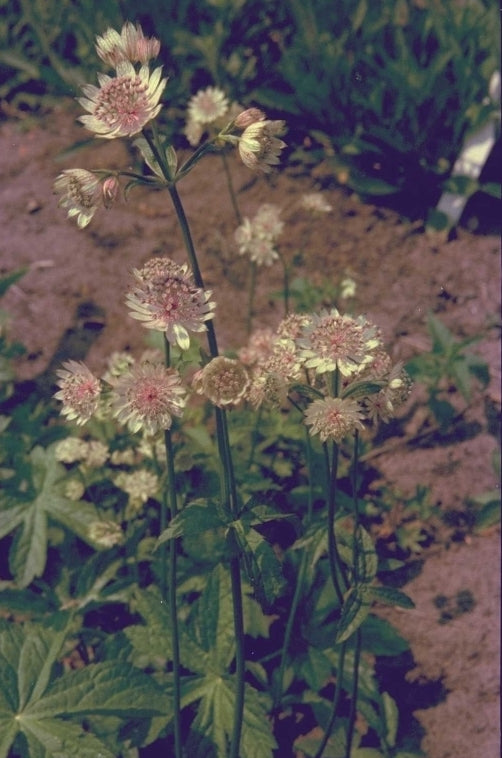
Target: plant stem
point(336, 700)
point(172, 584)
point(335, 563)
point(285, 283)
point(231, 190)
point(229, 490)
point(353, 698)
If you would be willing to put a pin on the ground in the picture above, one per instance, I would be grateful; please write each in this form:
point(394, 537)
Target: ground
point(75, 287)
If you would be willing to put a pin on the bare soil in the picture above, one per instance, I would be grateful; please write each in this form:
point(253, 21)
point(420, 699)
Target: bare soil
point(75, 287)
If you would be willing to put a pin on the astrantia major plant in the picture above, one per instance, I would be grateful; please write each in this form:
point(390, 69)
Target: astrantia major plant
point(187, 462)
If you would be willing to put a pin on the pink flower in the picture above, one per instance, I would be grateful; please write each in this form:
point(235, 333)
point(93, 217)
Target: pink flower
point(333, 418)
point(259, 145)
point(166, 298)
point(130, 45)
point(121, 106)
point(223, 381)
point(80, 392)
point(331, 341)
point(147, 397)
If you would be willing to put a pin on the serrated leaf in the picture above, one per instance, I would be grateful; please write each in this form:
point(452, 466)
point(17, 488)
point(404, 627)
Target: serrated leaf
point(117, 689)
point(263, 570)
point(195, 519)
point(355, 608)
point(152, 643)
point(215, 713)
point(54, 738)
point(366, 557)
point(213, 620)
point(28, 552)
point(391, 596)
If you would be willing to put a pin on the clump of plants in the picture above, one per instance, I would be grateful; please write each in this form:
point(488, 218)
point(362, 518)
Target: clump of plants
point(188, 567)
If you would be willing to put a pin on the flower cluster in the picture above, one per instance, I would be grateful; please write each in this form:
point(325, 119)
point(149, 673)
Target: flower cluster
point(223, 381)
point(166, 298)
point(83, 192)
point(334, 362)
point(257, 237)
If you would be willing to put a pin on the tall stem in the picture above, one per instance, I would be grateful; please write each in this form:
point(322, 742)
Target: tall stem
point(231, 190)
point(353, 698)
point(172, 585)
point(229, 490)
point(336, 700)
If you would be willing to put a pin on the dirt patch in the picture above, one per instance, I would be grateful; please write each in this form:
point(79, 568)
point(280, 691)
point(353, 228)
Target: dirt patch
point(77, 280)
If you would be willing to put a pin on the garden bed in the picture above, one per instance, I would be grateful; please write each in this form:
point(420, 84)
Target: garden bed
point(71, 304)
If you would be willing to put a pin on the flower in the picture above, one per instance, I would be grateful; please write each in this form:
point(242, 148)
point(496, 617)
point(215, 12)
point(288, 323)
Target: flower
point(81, 194)
point(96, 454)
point(333, 418)
point(223, 381)
point(74, 489)
point(314, 201)
point(80, 392)
point(397, 386)
point(105, 533)
point(71, 450)
point(207, 105)
point(147, 397)
point(139, 485)
point(248, 117)
point(259, 145)
point(332, 341)
point(122, 105)
point(257, 237)
point(166, 298)
point(130, 45)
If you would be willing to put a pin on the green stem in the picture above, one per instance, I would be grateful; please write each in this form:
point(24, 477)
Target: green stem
point(229, 490)
point(353, 697)
point(335, 564)
point(336, 700)
point(299, 585)
point(171, 589)
point(355, 547)
point(286, 283)
point(231, 190)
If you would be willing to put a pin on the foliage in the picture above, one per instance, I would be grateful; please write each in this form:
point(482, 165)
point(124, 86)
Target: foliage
point(449, 364)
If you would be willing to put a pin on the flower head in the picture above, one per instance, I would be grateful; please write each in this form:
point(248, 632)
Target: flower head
point(248, 117)
point(223, 381)
point(257, 237)
point(333, 418)
point(122, 105)
point(207, 105)
point(139, 485)
point(80, 192)
point(315, 202)
point(332, 341)
point(80, 392)
point(396, 388)
point(105, 533)
point(130, 45)
point(166, 298)
point(147, 397)
point(259, 144)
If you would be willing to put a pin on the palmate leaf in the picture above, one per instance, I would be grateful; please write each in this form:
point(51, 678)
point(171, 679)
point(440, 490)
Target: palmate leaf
point(28, 553)
point(214, 720)
point(39, 709)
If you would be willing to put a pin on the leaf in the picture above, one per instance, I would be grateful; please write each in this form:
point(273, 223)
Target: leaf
point(215, 715)
point(195, 519)
point(151, 641)
point(38, 708)
point(109, 688)
point(379, 637)
point(366, 557)
point(356, 607)
point(8, 280)
point(263, 570)
point(391, 596)
point(213, 621)
point(28, 553)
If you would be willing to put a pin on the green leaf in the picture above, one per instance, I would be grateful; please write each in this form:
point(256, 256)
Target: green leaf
point(28, 552)
point(9, 279)
point(379, 637)
point(151, 641)
point(54, 738)
point(109, 688)
point(355, 608)
point(391, 596)
point(213, 621)
point(391, 715)
point(263, 570)
point(215, 712)
point(195, 519)
point(366, 557)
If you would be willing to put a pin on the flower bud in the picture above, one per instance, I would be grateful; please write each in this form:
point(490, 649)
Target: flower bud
point(248, 117)
point(109, 190)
